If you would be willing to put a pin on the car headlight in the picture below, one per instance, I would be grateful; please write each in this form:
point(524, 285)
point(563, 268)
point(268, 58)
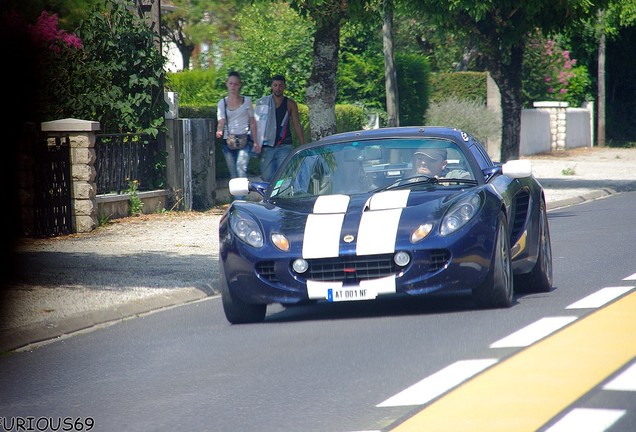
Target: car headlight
point(460, 213)
point(280, 241)
point(420, 232)
point(246, 229)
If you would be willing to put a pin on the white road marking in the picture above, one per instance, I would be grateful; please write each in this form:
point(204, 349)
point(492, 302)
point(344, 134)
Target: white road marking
point(533, 332)
point(600, 297)
point(588, 420)
point(632, 277)
point(438, 383)
point(625, 381)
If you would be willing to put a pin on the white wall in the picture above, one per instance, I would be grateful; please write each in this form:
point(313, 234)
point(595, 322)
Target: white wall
point(579, 130)
point(535, 132)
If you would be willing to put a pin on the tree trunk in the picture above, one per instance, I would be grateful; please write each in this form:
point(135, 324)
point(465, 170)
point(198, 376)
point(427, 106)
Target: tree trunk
point(321, 85)
point(392, 107)
point(600, 127)
point(186, 54)
point(508, 79)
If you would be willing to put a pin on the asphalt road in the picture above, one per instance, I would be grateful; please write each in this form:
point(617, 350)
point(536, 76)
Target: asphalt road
point(352, 367)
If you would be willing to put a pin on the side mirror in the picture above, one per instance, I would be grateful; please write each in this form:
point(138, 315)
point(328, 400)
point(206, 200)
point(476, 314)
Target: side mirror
point(517, 168)
point(239, 186)
point(242, 186)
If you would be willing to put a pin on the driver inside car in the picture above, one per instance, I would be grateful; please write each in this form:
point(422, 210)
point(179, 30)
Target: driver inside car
point(432, 162)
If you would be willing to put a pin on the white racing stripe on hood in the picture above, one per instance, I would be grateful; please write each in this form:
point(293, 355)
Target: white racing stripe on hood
point(377, 232)
point(331, 204)
point(379, 224)
point(389, 200)
point(323, 227)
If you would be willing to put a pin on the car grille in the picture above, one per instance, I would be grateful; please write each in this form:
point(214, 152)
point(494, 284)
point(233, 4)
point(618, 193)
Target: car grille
point(353, 269)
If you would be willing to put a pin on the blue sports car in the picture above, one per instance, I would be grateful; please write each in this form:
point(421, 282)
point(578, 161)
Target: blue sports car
point(395, 211)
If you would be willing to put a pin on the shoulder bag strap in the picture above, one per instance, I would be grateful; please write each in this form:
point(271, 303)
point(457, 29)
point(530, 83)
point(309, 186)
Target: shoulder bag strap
point(225, 126)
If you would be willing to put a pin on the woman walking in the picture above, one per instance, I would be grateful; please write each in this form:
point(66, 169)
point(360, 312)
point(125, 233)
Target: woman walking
point(235, 116)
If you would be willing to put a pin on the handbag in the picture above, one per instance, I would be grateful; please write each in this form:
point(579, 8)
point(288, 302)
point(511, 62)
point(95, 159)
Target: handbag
point(233, 141)
point(236, 142)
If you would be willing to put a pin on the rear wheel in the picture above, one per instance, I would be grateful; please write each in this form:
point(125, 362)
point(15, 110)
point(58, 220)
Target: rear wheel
point(497, 291)
point(540, 278)
point(239, 312)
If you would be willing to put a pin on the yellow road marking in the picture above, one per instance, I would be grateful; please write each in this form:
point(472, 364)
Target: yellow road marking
point(528, 389)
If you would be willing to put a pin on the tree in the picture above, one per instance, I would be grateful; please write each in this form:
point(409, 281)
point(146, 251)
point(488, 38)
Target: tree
point(262, 51)
point(500, 28)
point(175, 21)
point(606, 25)
point(328, 16)
point(392, 110)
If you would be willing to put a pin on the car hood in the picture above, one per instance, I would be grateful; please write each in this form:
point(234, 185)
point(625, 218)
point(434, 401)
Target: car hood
point(372, 224)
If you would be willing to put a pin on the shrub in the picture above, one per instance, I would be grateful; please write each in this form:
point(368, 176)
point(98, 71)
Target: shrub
point(471, 116)
point(460, 85)
point(413, 88)
point(195, 87)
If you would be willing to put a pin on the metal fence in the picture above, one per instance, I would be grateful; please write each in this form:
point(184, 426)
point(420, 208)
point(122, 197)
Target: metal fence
point(52, 187)
point(124, 159)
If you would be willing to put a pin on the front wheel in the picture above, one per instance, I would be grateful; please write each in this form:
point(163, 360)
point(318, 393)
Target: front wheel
point(239, 312)
point(540, 278)
point(497, 290)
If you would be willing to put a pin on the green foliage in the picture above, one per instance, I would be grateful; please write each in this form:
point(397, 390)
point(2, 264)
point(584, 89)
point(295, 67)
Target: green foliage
point(361, 82)
point(550, 74)
point(470, 115)
point(195, 87)
point(460, 85)
point(120, 83)
point(413, 89)
point(579, 87)
point(274, 39)
point(349, 118)
point(109, 71)
point(197, 111)
point(135, 205)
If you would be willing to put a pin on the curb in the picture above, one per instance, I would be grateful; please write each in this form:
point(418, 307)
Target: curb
point(591, 196)
point(22, 337)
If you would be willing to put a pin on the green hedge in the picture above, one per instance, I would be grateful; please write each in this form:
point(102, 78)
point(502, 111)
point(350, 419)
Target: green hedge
point(459, 85)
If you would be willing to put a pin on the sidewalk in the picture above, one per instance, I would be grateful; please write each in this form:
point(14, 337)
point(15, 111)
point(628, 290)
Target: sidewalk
point(133, 266)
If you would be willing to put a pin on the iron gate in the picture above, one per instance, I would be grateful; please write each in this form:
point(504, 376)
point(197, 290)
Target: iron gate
point(52, 187)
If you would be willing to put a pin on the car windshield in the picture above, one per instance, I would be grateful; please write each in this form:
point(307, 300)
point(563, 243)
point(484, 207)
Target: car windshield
point(372, 165)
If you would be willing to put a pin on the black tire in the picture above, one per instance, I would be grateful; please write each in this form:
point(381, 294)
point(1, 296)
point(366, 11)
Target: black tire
point(497, 290)
point(540, 277)
point(239, 312)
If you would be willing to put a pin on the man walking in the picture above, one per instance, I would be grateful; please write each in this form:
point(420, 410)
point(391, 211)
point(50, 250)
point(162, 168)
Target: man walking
point(274, 113)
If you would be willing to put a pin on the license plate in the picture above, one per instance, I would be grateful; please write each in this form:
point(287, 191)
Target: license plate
point(350, 294)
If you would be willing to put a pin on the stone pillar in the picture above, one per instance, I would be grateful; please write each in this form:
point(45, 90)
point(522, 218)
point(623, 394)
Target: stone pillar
point(81, 135)
point(558, 122)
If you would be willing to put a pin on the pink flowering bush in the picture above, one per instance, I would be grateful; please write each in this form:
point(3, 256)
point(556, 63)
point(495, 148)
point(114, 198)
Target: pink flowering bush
point(110, 69)
point(57, 53)
point(47, 35)
point(549, 74)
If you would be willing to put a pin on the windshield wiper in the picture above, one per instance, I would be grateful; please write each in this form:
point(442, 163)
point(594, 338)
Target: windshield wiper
point(408, 182)
point(457, 181)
